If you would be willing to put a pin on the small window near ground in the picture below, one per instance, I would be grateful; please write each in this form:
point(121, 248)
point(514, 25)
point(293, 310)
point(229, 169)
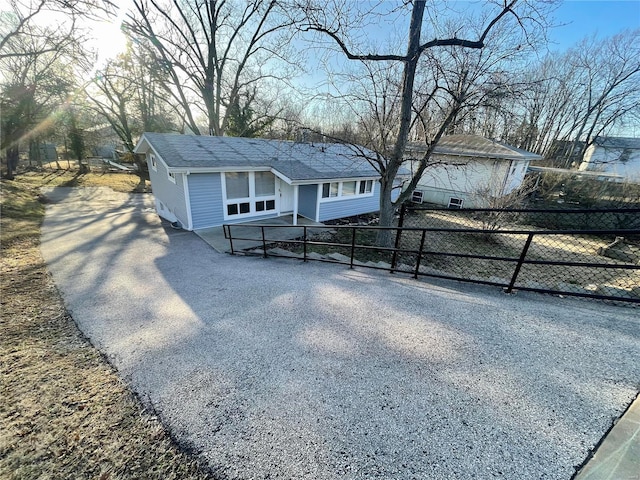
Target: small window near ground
point(238, 208)
point(455, 203)
point(265, 205)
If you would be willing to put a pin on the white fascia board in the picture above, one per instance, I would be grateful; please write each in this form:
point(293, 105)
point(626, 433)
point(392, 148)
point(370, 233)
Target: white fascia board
point(159, 157)
point(481, 156)
point(314, 181)
point(142, 146)
point(281, 176)
point(190, 170)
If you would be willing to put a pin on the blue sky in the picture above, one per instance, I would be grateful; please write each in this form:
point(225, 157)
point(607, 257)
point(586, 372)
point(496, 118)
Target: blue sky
point(583, 17)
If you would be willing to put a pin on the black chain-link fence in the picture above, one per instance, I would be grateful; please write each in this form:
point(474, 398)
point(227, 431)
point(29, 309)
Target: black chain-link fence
point(513, 249)
point(575, 252)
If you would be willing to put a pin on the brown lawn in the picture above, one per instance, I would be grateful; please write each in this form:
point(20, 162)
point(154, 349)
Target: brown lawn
point(64, 412)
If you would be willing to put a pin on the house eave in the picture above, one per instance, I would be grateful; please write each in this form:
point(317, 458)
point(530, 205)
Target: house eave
point(276, 172)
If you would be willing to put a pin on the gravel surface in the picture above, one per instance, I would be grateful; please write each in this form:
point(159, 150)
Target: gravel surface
point(279, 369)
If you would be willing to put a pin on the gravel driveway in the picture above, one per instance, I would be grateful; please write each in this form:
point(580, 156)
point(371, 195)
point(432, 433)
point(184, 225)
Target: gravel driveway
point(279, 369)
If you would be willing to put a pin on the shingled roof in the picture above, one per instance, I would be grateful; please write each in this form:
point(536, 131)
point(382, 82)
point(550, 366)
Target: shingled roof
point(296, 161)
point(618, 142)
point(477, 147)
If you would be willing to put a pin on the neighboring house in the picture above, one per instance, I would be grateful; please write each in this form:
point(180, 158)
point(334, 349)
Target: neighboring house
point(104, 151)
point(467, 170)
point(202, 181)
point(48, 152)
point(614, 155)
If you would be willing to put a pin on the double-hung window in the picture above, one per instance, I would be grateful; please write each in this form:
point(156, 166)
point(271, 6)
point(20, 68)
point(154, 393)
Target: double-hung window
point(249, 193)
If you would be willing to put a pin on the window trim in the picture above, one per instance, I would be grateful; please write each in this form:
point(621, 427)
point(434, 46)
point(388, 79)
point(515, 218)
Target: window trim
point(252, 199)
point(341, 196)
point(171, 176)
point(154, 162)
point(455, 203)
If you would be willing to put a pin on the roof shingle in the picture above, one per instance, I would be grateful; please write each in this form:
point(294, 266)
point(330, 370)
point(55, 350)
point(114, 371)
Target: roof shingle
point(297, 161)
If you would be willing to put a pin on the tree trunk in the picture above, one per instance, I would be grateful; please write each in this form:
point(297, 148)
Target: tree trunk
point(13, 155)
point(385, 237)
point(387, 208)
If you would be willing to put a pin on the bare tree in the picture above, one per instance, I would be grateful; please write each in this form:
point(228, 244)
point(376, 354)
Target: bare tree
point(17, 25)
point(610, 82)
point(216, 53)
point(32, 87)
point(579, 95)
point(389, 162)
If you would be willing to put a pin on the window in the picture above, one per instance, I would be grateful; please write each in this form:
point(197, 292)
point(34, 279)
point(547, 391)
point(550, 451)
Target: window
point(366, 186)
point(417, 196)
point(172, 176)
point(265, 205)
point(154, 163)
point(330, 190)
point(347, 189)
point(237, 184)
point(265, 185)
point(248, 193)
point(455, 203)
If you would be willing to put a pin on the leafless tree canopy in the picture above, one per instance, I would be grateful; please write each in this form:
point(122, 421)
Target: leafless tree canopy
point(214, 52)
point(429, 84)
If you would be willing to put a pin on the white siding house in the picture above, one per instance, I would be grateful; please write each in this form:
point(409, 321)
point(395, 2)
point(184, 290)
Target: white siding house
point(616, 156)
point(466, 170)
point(201, 181)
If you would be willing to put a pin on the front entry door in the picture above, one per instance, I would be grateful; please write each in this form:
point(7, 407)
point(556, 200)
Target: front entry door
point(286, 197)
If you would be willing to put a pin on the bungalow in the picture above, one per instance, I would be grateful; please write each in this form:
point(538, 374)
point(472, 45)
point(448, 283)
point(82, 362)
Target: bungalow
point(202, 181)
point(616, 156)
point(467, 169)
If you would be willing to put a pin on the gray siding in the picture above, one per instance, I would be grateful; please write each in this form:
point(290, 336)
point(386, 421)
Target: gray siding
point(170, 194)
point(350, 206)
point(307, 198)
point(205, 194)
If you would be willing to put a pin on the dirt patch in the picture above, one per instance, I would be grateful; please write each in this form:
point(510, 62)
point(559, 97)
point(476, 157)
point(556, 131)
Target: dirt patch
point(64, 412)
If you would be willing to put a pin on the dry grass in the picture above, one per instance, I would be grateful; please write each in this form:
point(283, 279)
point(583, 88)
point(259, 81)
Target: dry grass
point(64, 412)
point(120, 182)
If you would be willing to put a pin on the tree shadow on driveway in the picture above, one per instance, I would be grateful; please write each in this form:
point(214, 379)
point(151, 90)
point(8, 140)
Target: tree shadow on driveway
point(275, 367)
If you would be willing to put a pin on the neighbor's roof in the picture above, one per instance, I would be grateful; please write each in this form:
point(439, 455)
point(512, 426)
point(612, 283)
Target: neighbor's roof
point(476, 146)
point(296, 161)
point(618, 142)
